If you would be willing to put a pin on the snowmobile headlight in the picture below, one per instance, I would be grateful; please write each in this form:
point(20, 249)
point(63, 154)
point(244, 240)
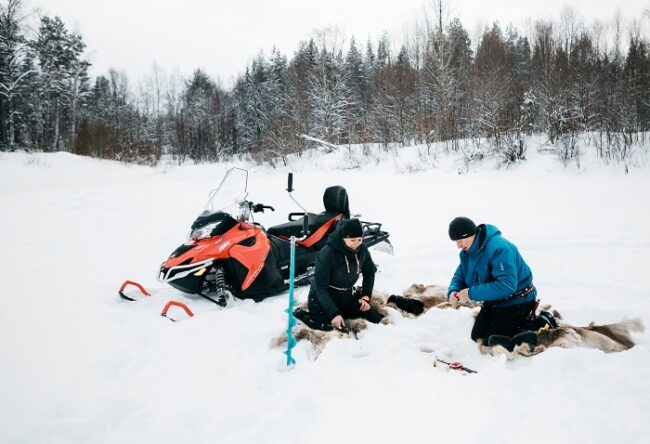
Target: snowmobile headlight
point(203, 232)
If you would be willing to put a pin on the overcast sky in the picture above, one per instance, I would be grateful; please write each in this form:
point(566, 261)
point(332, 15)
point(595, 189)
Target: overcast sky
point(223, 36)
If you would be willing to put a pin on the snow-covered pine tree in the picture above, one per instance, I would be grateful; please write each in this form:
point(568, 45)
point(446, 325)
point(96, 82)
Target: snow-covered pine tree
point(63, 79)
point(369, 130)
point(96, 137)
point(150, 104)
point(491, 88)
point(300, 69)
point(439, 82)
point(458, 52)
point(544, 84)
point(15, 71)
point(197, 130)
point(329, 98)
point(280, 137)
point(636, 78)
point(356, 84)
point(383, 111)
point(403, 91)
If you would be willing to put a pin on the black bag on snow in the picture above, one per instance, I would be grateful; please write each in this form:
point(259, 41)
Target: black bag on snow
point(409, 305)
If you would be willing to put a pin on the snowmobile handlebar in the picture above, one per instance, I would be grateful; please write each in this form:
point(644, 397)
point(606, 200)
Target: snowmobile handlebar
point(259, 207)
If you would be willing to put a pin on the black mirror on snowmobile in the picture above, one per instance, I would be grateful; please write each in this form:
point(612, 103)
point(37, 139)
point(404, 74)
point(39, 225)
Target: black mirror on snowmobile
point(290, 183)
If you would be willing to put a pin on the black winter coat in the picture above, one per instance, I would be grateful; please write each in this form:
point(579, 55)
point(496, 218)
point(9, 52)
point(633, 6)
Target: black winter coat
point(338, 266)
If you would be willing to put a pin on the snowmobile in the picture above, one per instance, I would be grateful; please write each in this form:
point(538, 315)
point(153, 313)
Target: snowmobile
point(229, 254)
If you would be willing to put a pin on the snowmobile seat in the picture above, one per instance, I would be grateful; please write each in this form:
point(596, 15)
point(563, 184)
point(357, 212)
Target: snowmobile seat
point(335, 200)
point(294, 227)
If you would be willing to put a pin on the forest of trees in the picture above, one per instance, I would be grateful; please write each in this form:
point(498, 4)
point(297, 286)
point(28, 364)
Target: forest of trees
point(559, 79)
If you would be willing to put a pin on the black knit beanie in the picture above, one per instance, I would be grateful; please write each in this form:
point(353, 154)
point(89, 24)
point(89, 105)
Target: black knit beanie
point(461, 228)
point(352, 228)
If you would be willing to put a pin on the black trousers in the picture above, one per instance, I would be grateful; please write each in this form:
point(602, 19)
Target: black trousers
point(504, 321)
point(349, 310)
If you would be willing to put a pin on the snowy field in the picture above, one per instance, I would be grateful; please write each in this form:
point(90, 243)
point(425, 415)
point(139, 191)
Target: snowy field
point(78, 365)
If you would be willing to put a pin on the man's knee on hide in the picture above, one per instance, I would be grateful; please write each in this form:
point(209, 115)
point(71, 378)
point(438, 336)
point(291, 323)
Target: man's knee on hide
point(477, 333)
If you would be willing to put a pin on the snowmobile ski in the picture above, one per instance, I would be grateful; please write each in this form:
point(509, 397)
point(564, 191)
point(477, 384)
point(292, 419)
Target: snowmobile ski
point(170, 304)
point(135, 284)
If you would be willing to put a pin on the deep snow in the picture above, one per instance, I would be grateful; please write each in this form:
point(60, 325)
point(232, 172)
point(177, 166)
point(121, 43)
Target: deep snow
point(80, 365)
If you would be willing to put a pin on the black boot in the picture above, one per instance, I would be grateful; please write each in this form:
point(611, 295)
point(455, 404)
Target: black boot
point(502, 340)
point(528, 337)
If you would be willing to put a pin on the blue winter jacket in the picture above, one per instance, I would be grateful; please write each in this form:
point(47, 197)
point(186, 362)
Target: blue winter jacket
point(493, 270)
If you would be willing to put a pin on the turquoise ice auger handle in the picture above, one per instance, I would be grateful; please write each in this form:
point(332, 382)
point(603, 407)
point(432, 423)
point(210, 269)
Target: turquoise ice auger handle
point(291, 322)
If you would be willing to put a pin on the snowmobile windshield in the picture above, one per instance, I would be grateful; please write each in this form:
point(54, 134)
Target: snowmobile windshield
point(227, 204)
point(230, 194)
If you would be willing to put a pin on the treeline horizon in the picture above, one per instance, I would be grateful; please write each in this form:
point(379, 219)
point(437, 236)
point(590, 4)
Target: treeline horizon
point(560, 79)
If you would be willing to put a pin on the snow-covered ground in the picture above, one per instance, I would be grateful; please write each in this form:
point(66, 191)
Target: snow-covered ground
point(78, 365)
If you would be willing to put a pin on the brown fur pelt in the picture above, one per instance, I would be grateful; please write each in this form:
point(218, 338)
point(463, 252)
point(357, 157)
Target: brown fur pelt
point(608, 338)
point(432, 296)
point(320, 338)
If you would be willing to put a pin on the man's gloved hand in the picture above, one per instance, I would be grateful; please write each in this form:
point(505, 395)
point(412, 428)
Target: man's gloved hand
point(453, 298)
point(407, 304)
point(463, 296)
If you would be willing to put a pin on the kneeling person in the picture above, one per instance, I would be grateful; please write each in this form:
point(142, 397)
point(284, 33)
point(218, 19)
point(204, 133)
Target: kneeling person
point(493, 272)
point(338, 266)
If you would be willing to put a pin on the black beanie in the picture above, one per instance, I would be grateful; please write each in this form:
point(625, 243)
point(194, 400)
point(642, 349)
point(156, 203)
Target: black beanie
point(352, 228)
point(461, 228)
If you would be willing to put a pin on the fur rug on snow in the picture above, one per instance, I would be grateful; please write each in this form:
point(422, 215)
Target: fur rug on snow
point(608, 338)
point(431, 296)
point(320, 338)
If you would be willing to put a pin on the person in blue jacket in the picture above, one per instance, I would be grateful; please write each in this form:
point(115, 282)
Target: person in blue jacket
point(493, 272)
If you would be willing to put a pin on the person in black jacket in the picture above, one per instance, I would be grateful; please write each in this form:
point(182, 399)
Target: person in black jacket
point(338, 266)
